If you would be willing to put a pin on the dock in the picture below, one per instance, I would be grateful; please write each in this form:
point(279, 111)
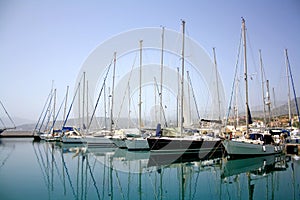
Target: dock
point(16, 134)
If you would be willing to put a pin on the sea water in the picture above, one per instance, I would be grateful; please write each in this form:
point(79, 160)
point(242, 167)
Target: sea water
point(48, 170)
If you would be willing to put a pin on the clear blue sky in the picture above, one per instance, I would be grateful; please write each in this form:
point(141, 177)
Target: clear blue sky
point(41, 41)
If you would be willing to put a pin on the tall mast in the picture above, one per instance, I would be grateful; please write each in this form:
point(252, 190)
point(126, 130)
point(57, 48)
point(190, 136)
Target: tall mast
point(140, 88)
point(236, 108)
point(129, 102)
point(288, 83)
point(262, 87)
point(104, 106)
point(87, 102)
point(83, 98)
point(161, 69)
point(268, 103)
point(54, 104)
point(112, 93)
point(65, 109)
point(178, 93)
point(182, 78)
point(245, 74)
point(189, 97)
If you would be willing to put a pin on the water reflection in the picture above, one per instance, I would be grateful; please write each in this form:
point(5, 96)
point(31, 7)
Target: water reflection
point(77, 172)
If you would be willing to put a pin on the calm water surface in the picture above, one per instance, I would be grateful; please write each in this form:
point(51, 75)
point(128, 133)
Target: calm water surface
point(41, 170)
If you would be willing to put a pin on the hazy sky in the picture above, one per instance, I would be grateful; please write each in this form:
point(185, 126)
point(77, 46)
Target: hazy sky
point(41, 41)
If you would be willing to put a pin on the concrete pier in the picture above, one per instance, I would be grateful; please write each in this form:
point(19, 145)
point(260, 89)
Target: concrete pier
point(12, 133)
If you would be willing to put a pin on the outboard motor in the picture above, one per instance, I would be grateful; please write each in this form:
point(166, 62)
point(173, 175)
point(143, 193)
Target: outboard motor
point(158, 130)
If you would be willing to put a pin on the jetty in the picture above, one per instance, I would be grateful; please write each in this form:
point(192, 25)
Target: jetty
point(16, 134)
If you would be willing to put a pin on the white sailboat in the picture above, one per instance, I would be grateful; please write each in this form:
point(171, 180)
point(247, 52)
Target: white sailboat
point(252, 144)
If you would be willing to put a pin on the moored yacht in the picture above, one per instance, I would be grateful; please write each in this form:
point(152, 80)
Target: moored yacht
point(71, 135)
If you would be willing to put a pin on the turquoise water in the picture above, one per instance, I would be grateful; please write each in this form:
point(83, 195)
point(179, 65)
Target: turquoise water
point(40, 170)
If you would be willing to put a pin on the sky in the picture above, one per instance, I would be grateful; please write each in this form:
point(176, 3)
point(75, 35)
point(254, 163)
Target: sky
point(48, 40)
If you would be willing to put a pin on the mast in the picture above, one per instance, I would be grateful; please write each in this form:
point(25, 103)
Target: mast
point(87, 102)
point(54, 104)
point(65, 109)
point(83, 98)
point(236, 103)
point(189, 97)
point(178, 93)
point(288, 83)
point(245, 75)
point(161, 69)
point(140, 88)
point(262, 87)
point(182, 78)
point(129, 102)
point(112, 93)
point(268, 103)
point(292, 81)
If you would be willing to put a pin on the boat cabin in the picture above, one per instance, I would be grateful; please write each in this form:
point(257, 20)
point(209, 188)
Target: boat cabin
point(266, 138)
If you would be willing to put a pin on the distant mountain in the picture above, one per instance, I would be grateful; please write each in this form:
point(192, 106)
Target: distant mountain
point(282, 109)
point(17, 120)
point(97, 124)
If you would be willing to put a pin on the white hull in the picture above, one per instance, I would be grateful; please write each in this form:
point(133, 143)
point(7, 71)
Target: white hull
point(72, 139)
point(240, 148)
point(137, 144)
point(99, 141)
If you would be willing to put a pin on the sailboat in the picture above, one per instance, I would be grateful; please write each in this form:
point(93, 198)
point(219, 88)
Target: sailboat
point(253, 144)
point(181, 143)
point(138, 142)
point(4, 127)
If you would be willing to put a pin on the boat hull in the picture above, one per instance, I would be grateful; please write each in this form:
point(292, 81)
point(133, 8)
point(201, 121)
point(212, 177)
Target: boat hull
point(98, 141)
point(182, 145)
point(119, 142)
point(74, 139)
point(136, 144)
point(238, 148)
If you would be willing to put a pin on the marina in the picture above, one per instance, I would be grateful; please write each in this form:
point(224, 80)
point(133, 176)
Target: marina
point(151, 112)
point(54, 170)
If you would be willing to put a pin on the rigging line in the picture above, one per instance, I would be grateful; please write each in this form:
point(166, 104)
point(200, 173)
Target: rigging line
point(119, 184)
point(8, 115)
point(8, 155)
point(97, 102)
point(2, 123)
point(43, 110)
point(153, 188)
point(126, 90)
point(49, 118)
point(294, 91)
point(39, 162)
point(65, 121)
point(57, 114)
point(94, 181)
point(162, 108)
point(251, 52)
point(234, 80)
point(47, 110)
point(55, 163)
point(69, 178)
point(194, 97)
